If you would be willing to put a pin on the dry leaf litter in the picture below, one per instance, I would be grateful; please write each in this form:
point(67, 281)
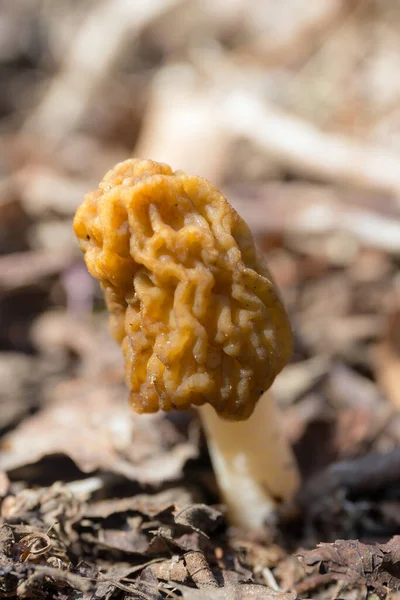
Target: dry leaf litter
point(292, 110)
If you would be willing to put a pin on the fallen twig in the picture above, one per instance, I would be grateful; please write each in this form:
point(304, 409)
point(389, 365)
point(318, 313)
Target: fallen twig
point(366, 474)
point(306, 150)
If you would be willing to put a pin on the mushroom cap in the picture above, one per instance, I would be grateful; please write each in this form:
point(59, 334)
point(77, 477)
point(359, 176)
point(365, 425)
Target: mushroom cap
point(192, 304)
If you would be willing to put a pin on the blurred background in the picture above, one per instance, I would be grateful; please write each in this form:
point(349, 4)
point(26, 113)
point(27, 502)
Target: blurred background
point(292, 109)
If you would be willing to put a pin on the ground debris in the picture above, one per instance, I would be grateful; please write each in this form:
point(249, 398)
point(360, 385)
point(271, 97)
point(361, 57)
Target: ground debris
point(350, 561)
point(149, 505)
point(110, 437)
point(199, 517)
point(96, 503)
point(41, 511)
point(199, 570)
point(371, 472)
point(133, 545)
point(357, 494)
point(25, 565)
point(17, 374)
point(240, 591)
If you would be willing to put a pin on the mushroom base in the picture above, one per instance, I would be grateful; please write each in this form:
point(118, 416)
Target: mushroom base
point(253, 463)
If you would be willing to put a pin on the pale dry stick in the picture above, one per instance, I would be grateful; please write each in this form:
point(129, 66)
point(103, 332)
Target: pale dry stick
point(270, 580)
point(90, 60)
point(292, 142)
point(181, 124)
point(305, 149)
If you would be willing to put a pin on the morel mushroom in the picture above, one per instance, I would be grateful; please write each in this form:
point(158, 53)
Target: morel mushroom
point(198, 317)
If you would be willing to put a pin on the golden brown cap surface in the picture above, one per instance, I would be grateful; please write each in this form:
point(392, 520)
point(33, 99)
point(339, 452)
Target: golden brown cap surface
point(191, 303)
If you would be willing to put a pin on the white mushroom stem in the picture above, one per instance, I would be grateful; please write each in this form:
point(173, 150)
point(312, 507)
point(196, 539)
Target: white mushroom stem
point(253, 463)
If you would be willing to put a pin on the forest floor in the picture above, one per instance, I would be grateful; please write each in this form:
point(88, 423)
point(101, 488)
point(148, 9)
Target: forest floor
point(96, 502)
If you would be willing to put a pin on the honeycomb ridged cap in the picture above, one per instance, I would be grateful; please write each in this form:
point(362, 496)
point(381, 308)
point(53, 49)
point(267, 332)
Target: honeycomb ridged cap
point(191, 302)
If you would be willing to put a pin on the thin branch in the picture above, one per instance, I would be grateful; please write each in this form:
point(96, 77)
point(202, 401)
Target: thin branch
point(308, 151)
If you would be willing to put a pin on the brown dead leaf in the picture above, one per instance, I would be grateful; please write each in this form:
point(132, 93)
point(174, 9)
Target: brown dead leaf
point(169, 539)
point(257, 556)
point(149, 505)
point(199, 518)
point(145, 524)
point(147, 586)
point(126, 541)
point(352, 562)
point(112, 578)
point(173, 569)
point(93, 425)
point(188, 531)
point(240, 591)
point(199, 570)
